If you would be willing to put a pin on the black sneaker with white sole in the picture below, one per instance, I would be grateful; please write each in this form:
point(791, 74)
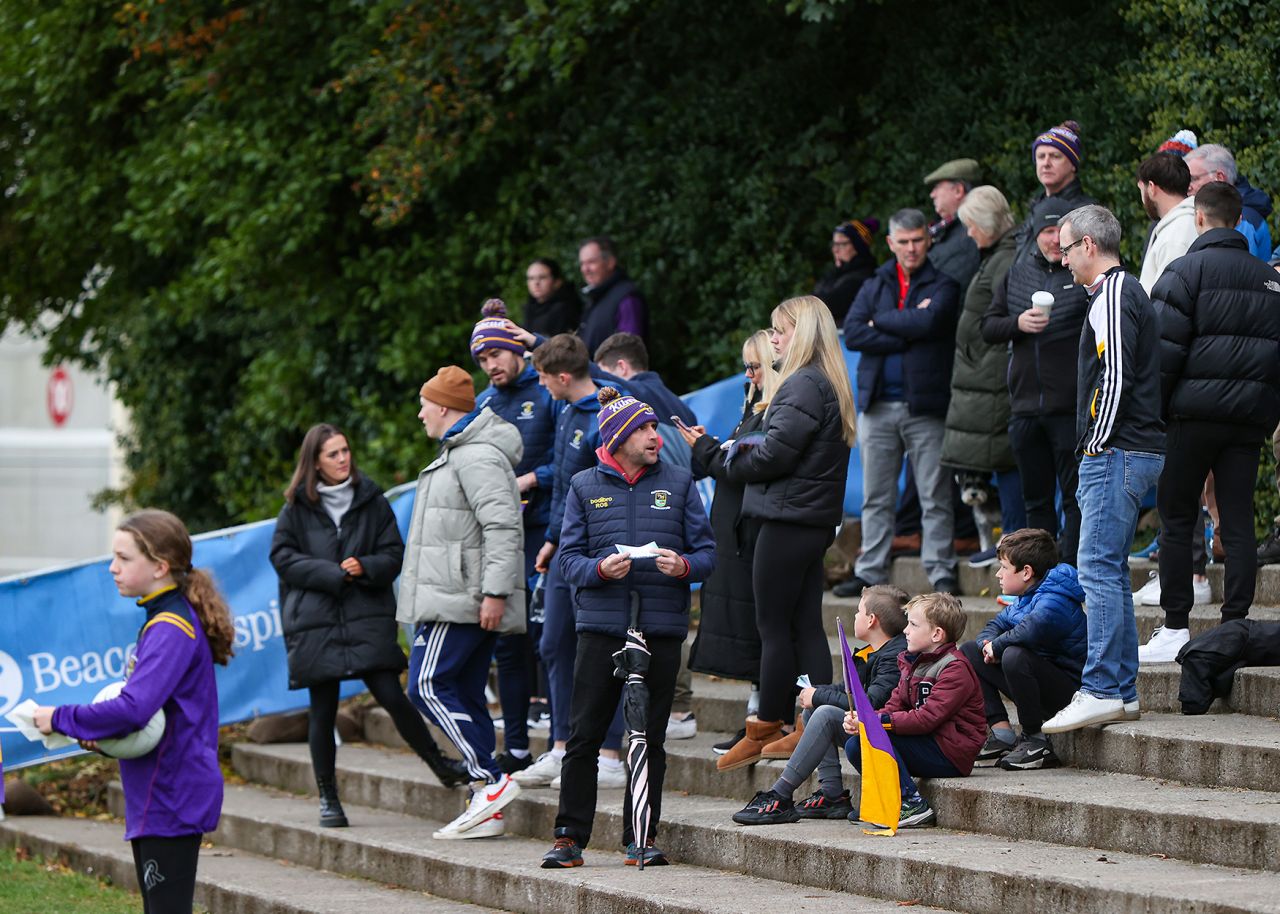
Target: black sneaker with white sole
point(1032, 752)
point(821, 806)
point(992, 751)
point(725, 745)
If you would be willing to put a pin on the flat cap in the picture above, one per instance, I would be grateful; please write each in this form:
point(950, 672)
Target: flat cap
point(955, 170)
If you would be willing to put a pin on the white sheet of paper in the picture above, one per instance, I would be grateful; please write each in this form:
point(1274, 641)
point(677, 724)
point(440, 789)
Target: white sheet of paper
point(647, 551)
point(23, 717)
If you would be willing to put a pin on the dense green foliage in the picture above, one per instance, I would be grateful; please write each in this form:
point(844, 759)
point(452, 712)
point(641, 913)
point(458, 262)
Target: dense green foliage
point(265, 213)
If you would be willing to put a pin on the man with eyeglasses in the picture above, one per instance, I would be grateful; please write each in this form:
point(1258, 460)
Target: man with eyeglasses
point(1122, 444)
point(1212, 162)
point(951, 249)
point(853, 265)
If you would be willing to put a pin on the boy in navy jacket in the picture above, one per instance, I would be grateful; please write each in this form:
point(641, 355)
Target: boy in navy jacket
point(631, 498)
point(1032, 651)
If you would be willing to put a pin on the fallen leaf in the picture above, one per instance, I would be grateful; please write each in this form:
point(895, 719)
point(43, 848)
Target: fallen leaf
point(911, 903)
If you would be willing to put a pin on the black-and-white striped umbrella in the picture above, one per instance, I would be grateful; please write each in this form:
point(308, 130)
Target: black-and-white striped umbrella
point(631, 665)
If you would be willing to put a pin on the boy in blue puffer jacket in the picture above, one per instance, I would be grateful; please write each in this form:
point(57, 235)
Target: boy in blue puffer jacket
point(1032, 651)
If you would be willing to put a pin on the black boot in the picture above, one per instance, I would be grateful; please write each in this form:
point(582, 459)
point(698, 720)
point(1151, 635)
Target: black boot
point(451, 772)
point(331, 814)
point(1269, 551)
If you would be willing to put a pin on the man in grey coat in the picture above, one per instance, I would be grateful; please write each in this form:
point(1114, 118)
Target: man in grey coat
point(462, 583)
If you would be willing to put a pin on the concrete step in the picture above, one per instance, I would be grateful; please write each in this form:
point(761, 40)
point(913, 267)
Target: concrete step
point(1084, 808)
point(908, 573)
point(504, 872)
point(980, 610)
point(228, 880)
point(977, 872)
point(720, 704)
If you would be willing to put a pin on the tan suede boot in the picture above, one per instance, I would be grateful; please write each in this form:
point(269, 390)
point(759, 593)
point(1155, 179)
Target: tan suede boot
point(747, 751)
point(782, 748)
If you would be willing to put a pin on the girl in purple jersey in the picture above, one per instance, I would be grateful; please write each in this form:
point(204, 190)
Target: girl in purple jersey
point(173, 794)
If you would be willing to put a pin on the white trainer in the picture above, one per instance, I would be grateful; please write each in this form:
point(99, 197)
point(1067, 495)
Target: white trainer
point(682, 728)
point(1084, 709)
point(1132, 710)
point(1164, 645)
point(1149, 593)
point(492, 827)
point(486, 800)
point(541, 773)
point(607, 778)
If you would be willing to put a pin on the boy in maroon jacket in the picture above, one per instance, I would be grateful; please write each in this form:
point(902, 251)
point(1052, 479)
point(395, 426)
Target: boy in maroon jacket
point(934, 716)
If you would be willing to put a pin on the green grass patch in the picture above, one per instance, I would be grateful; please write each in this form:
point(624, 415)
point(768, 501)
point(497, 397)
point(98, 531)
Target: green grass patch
point(31, 885)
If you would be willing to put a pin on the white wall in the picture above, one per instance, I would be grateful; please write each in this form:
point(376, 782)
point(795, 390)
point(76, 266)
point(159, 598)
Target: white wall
point(49, 473)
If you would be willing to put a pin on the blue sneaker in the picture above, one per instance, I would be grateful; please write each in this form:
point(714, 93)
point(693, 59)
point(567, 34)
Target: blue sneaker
point(565, 853)
point(1148, 550)
point(652, 856)
point(984, 559)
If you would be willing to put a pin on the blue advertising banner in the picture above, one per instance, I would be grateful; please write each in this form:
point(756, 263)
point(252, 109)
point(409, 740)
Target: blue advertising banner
point(66, 633)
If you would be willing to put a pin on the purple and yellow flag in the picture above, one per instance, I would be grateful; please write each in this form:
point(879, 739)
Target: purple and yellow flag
point(881, 796)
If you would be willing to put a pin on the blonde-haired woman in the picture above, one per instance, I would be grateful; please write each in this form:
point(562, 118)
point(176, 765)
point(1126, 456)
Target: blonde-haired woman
point(728, 643)
point(976, 440)
point(795, 481)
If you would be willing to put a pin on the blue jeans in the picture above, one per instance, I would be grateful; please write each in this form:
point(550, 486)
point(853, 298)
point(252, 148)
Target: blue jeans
point(918, 757)
point(1110, 494)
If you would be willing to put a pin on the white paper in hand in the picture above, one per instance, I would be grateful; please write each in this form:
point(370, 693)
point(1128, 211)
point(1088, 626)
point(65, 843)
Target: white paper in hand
point(23, 717)
point(648, 551)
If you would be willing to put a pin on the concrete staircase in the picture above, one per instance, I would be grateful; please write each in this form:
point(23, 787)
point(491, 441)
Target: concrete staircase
point(1169, 813)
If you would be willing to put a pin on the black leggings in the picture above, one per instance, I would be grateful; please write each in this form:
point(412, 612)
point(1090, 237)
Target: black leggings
point(787, 577)
point(384, 686)
point(166, 869)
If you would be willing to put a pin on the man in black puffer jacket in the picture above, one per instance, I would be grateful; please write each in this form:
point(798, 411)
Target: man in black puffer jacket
point(1220, 385)
point(904, 324)
point(1042, 374)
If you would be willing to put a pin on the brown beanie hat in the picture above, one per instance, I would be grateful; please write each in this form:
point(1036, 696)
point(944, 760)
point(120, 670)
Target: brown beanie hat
point(451, 387)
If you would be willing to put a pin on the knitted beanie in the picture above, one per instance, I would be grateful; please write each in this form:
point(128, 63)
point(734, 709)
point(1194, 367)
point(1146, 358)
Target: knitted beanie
point(451, 387)
point(1065, 138)
point(860, 232)
point(1180, 143)
point(620, 416)
point(490, 332)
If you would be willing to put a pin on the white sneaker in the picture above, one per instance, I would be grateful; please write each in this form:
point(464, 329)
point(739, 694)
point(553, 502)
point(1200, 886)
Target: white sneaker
point(611, 778)
point(486, 800)
point(1164, 645)
point(540, 773)
point(682, 729)
point(1149, 593)
point(1084, 709)
point(492, 827)
point(1132, 710)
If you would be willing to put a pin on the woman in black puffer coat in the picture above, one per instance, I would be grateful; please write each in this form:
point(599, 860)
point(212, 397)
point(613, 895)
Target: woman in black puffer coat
point(337, 551)
point(795, 480)
point(728, 642)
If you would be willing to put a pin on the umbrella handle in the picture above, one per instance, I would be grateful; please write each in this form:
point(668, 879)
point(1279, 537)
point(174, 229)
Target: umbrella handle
point(635, 610)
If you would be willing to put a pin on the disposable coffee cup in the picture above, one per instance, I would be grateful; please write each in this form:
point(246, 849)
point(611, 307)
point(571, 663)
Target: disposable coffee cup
point(1043, 302)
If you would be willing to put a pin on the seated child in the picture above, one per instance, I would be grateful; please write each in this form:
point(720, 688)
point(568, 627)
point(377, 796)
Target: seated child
point(879, 622)
point(1032, 651)
point(934, 716)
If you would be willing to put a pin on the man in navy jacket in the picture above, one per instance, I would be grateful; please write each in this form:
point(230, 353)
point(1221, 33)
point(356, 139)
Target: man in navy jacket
point(904, 324)
point(631, 498)
point(515, 395)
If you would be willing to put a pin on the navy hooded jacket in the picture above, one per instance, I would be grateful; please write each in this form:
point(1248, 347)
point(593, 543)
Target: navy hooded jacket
point(577, 437)
point(528, 406)
point(603, 509)
point(1048, 619)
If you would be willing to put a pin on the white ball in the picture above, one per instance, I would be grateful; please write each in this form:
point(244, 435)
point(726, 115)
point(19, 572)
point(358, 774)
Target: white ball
point(133, 745)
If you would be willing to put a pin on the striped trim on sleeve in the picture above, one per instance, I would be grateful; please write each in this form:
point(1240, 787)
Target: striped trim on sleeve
point(175, 620)
point(1104, 317)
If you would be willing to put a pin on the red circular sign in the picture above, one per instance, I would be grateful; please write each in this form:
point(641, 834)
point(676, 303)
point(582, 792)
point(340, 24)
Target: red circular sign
point(59, 396)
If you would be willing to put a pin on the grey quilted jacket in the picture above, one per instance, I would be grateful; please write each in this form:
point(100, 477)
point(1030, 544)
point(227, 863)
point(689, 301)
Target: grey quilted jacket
point(466, 538)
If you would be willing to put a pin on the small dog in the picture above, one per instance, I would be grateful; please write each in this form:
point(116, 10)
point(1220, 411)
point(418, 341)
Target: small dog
point(978, 493)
